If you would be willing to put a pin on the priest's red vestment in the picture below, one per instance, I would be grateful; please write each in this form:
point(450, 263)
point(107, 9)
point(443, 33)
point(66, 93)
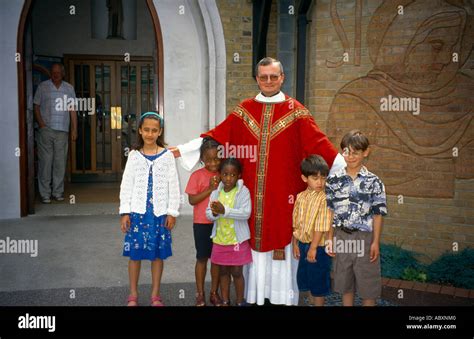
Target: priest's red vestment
point(283, 134)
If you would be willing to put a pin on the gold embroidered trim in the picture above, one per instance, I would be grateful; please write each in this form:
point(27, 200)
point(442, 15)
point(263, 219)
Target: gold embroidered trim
point(264, 145)
point(248, 120)
point(288, 120)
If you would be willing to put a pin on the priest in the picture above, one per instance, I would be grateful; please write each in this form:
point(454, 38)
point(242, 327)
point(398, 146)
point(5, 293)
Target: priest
point(283, 132)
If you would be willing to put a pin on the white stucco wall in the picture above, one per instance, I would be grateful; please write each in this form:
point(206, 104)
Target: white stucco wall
point(185, 67)
point(186, 38)
point(9, 140)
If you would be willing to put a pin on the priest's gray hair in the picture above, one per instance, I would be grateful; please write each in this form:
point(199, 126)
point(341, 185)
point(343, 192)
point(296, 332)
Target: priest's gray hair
point(268, 61)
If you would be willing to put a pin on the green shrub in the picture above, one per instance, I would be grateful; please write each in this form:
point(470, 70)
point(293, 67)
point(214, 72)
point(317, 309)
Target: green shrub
point(454, 269)
point(397, 262)
point(412, 274)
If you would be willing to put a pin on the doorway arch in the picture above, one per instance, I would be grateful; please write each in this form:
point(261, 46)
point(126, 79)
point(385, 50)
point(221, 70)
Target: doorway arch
point(26, 182)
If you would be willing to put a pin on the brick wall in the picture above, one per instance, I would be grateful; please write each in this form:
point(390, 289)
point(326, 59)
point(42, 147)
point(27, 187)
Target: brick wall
point(430, 199)
point(272, 31)
point(430, 226)
point(431, 191)
point(322, 83)
point(236, 17)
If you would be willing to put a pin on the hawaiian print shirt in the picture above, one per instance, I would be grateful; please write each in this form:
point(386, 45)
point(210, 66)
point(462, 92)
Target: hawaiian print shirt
point(354, 202)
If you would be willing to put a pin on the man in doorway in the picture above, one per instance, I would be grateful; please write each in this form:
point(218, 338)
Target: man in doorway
point(53, 134)
point(282, 132)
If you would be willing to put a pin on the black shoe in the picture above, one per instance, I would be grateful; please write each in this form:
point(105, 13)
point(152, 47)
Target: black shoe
point(59, 198)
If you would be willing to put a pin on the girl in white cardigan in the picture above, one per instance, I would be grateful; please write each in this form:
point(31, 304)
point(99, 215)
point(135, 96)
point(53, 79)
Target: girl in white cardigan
point(149, 202)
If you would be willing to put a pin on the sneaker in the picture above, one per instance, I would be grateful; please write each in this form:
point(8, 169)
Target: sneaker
point(59, 198)
point(46, 200)
point(215, 299)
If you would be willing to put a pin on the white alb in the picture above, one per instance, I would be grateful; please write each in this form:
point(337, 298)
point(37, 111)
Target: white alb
point(133, 189)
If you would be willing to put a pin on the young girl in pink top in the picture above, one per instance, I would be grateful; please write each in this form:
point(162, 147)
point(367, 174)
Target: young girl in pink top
point(200, 185)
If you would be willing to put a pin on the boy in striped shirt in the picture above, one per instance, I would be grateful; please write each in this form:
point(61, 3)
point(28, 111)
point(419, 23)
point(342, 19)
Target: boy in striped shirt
point(311, 222)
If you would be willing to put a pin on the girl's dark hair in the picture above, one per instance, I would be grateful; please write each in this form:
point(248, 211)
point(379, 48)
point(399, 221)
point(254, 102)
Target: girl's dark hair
point(161, 139)
point(356, 140)
point(313, 165)
point(207, 143)
point(231, 162)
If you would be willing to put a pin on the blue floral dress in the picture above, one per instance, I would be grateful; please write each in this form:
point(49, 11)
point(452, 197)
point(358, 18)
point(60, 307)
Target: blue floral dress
point(148, 238)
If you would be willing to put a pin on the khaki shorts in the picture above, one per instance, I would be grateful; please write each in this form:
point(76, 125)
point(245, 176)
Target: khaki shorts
point(353, 272)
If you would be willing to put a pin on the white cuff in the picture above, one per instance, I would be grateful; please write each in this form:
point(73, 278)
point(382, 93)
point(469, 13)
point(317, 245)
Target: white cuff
point(190, 153)
point(124, 210)
point(173, 213)
point(338, 163)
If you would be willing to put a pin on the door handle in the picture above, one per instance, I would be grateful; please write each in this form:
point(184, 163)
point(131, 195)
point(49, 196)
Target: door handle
point(116, 119)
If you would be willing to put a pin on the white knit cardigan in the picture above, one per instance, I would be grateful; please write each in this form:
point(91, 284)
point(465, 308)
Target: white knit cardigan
point(133, 189)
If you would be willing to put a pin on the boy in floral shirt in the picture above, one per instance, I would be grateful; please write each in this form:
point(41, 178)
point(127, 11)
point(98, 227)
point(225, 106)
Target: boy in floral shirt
point(357, 200)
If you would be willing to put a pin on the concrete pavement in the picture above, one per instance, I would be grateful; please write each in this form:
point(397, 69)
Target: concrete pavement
point(83, 251)
point(80, 262)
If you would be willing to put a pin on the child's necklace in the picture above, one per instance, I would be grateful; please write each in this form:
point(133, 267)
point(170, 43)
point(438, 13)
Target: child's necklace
point(156, 151)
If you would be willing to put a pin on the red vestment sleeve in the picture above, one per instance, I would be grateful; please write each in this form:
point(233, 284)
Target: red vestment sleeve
point(314, 141)
point(223, 132)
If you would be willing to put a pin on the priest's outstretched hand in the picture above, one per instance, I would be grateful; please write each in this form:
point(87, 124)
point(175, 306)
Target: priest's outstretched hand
point(175, 151)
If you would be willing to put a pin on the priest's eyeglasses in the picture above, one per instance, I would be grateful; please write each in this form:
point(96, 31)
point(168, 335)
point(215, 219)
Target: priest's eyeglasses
point(273, 77)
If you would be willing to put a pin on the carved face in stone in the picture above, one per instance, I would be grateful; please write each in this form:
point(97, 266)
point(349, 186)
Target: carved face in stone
point(433, 56)
point(424, 47)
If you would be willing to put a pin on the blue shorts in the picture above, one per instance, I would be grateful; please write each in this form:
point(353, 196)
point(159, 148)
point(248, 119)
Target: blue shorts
point(314, 277)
